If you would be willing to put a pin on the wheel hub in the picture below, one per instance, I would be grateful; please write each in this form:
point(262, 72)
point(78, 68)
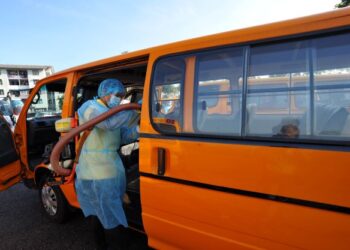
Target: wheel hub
point(49, 199)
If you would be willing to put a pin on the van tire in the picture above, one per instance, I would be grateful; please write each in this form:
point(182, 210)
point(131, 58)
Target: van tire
point(53, 203)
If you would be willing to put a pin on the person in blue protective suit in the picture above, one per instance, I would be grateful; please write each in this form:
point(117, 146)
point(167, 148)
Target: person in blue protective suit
point(101, 181)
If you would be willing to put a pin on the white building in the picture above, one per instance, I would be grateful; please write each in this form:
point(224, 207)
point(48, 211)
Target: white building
point(18, 79)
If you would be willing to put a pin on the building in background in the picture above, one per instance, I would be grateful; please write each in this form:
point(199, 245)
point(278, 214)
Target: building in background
point(17, 80)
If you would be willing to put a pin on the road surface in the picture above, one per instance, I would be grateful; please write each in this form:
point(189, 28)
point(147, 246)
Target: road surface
point(23, 225)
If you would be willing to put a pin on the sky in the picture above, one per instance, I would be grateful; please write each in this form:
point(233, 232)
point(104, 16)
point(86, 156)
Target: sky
point(67, 33)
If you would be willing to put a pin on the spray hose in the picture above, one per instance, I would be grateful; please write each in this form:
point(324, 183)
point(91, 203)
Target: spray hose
point(87, 127)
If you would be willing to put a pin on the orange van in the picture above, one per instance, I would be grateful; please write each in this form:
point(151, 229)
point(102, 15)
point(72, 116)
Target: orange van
point(212, 168)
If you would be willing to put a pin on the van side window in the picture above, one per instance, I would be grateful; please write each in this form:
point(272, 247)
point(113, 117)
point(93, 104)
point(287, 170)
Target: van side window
point(331, 65)
point(278, 89)
point(167, 88)
point(301, 86)
point(296, 89)
point(219, 92)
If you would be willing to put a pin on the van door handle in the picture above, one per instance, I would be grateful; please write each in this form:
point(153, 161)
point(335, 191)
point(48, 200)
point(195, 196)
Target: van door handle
point(161, 161)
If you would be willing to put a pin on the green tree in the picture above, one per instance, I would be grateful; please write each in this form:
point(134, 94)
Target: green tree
point(343, 4)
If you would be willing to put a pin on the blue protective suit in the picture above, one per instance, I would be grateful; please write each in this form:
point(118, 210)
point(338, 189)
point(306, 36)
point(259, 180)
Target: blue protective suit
point(101, 181)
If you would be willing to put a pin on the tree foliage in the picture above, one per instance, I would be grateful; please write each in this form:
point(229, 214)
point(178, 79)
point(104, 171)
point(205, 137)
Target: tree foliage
point(343, 4)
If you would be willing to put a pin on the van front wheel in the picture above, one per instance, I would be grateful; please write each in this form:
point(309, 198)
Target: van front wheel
point(53, 203)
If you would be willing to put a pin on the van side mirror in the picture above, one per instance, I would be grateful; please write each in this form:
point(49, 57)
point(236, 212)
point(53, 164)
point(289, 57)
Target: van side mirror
point(36, 98)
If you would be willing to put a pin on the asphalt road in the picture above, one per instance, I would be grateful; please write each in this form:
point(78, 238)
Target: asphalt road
point(23, 225)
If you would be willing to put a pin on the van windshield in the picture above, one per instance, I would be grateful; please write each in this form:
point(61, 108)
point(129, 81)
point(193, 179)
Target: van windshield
point(47, 102)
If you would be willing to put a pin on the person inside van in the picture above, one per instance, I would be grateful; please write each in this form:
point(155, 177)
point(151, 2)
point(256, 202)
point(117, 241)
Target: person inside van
point(289, 131)
point(101, 181)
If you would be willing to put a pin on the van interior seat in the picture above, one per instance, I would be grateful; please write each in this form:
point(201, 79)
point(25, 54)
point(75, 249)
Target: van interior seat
point(218, 123)
point(346, 130)
point(41, 136)
point(38, 127)
point(271, 124)
point(329, 120)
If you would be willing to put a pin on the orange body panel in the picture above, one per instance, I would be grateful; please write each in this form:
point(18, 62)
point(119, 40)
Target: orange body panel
point(188, 113)
point(70, 194)
point(287, 172)
point(277, 171)
point(216, 220)
point(10, 175)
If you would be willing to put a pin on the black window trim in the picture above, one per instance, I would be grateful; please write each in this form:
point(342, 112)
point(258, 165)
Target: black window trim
point(245, 90)
point(310, 67)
